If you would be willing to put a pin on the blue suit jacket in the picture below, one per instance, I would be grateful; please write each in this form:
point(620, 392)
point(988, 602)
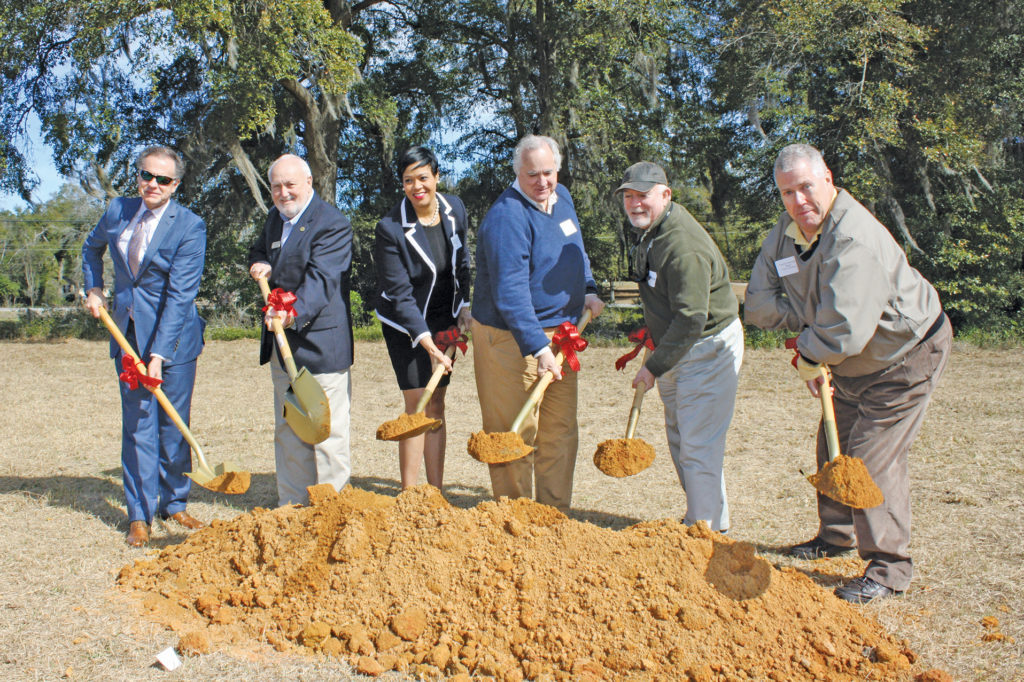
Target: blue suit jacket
point(161, 297)
point(406, 272)
point(314, 264)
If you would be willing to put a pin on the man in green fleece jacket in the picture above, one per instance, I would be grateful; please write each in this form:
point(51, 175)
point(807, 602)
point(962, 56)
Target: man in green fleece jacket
point(691, 312)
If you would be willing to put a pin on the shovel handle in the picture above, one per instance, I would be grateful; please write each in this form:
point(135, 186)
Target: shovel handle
point(545, 381)
point(638, 399)
point(828, 415)
point(161, 397)
point(435, 379)
point(282, 341)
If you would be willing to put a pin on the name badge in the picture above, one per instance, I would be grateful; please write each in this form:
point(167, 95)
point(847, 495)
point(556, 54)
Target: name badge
point(786, 266)
point(276, 245)
point(652, 277)
point(456, 242)
point(568, 227)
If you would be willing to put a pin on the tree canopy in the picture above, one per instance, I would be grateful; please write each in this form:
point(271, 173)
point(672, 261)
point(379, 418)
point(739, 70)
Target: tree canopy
point(917, 106)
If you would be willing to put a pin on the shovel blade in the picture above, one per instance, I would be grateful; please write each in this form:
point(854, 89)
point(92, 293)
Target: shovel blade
point(306, 408)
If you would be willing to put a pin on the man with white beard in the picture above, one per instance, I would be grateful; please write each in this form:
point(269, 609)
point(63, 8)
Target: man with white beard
point(692, 315)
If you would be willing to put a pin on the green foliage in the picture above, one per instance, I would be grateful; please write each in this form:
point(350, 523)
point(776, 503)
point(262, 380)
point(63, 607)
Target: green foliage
point(217, 333)
point(53, 326)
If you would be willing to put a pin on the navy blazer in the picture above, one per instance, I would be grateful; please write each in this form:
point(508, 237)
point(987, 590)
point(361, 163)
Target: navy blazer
point(314, 264)
point(406, 272)
point(161, 297)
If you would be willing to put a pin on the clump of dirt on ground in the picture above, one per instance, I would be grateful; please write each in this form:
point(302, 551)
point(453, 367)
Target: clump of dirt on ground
point(396, 428)
point(497, 448)
point(623, 456)
point(510, 590)
point(846, 479)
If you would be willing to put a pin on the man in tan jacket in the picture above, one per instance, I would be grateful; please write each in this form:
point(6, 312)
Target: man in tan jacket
point(830, 271)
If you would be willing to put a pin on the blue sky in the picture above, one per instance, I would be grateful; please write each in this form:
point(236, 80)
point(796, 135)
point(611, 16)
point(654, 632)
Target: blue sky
point(40, 159)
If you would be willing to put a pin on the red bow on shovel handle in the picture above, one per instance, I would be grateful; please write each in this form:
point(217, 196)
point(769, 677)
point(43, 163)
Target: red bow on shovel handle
point(281, 301)
point(133, 376)
point(569, 342)
point(642, 338)
point(791, 345)
point(447, 338)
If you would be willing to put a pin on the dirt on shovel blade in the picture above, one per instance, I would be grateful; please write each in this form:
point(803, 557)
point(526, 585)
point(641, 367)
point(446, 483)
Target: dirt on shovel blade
point(508, 590)
point(497, 448)
point(396, 428)
point(229, 483)
point(846, 480)
point(623, 456)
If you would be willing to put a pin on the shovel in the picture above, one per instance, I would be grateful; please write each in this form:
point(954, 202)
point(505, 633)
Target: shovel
point(224, 478)
point(844, 479)
point(306, 408)
point(626, 456)
point(411, 425)
point(497, 448)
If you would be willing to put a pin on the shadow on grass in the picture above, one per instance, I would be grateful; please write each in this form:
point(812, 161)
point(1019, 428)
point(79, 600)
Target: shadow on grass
point(102, 496)
point(827, 572)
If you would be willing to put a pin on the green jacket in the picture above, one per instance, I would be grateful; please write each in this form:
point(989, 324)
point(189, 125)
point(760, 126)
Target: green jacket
point(686, 292)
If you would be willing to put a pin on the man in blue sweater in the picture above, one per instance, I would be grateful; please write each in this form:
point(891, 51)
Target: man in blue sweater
point(532, 275)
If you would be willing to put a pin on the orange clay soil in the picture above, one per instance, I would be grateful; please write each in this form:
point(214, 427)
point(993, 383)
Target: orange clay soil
point(496, 448)
point(846, 479)
point(507, 590)
point(623, 456)
point(396, 428)
point(230, 483)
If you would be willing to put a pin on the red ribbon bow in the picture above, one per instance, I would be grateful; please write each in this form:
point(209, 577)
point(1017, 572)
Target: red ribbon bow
point(133, 376)
point(451, 337)
point(569, 341)
point(642, 338)
point(791, 345)
point(281, 301)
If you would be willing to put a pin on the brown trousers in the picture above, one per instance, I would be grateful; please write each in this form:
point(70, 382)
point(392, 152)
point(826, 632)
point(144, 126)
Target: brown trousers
point(503, 382)
point(878, 416)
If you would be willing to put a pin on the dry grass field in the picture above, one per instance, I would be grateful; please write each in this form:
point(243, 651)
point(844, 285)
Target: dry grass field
point(63, 523)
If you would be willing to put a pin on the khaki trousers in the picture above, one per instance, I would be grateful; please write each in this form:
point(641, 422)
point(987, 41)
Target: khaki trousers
point(299, 464)
point(878, 417)
point(503, 382)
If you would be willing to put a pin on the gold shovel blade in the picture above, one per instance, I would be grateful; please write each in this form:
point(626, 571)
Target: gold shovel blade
point(306, 408)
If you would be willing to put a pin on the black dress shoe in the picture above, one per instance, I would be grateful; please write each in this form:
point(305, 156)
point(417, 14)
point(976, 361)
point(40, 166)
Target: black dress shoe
point(816, 549)
point(862, 590)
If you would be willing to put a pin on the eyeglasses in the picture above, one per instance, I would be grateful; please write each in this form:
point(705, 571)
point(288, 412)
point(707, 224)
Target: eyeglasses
point(160, 179)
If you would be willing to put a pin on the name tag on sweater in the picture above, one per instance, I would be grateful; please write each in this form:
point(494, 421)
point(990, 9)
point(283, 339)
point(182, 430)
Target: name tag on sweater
point(652, 277)
point(568, 227)
point(786, 266)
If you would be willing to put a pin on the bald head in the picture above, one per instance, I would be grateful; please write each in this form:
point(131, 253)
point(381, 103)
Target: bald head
point(291, 184)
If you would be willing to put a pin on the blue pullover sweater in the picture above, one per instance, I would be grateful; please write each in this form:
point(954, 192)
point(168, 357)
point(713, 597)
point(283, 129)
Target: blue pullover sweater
point(531, 269)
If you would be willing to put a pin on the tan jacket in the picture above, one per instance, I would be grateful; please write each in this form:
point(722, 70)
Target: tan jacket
point(858, 304)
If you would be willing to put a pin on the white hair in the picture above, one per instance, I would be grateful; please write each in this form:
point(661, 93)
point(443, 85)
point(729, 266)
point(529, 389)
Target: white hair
point(302, 164)
point(531, 142)
point(794, 154)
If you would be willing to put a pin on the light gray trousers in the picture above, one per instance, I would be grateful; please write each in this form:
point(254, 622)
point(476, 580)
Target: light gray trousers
point(878, 417)
point(699, 394)
point(300, 464)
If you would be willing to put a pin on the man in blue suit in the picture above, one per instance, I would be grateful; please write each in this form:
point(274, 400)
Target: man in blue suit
point(158, 249)
point(306, 249)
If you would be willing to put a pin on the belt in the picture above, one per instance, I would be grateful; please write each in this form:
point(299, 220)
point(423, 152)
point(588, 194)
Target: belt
point(936, 326)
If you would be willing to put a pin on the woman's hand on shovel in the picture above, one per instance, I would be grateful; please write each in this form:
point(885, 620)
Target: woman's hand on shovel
point(437, 356)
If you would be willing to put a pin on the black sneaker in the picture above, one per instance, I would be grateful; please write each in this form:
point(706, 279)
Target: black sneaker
point(816, 549)
point(862, 590)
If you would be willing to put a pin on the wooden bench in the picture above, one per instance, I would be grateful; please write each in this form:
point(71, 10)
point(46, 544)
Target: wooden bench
point(626, 294)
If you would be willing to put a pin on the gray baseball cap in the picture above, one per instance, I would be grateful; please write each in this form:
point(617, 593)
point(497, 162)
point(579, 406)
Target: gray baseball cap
point(642, 177)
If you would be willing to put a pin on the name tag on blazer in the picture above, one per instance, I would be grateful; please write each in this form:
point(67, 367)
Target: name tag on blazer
point(456, 242)
point(568, 227)
point(652, 277)
point(276, 245)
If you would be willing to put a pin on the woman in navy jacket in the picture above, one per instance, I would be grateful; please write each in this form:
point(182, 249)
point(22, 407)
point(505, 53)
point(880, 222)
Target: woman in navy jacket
point(422, 288)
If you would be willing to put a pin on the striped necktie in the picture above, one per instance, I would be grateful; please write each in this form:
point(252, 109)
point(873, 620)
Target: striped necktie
point(137, 244)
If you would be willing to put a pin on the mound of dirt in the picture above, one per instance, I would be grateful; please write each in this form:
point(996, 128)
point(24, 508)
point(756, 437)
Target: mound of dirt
point(508, 590)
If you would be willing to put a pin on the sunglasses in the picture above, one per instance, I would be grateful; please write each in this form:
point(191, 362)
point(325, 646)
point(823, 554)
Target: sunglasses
point(160, 179)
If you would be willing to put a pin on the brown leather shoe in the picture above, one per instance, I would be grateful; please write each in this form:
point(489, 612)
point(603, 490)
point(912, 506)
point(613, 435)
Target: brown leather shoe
point(138, 534)
point(183, 518)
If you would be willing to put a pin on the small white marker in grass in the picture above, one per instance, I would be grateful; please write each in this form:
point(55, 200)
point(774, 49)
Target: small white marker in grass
point(168, 659)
